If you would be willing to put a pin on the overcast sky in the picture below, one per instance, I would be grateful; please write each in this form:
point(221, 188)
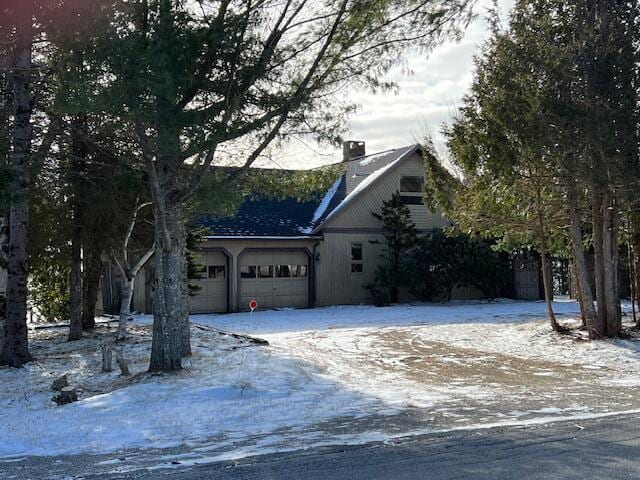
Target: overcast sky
point(426, 99)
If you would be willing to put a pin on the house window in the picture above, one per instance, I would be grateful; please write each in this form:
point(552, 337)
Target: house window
point(301, 271)
point(356, 258)
point(217, 272)
point(248, 271)
point(411, 184)
point(265, 271)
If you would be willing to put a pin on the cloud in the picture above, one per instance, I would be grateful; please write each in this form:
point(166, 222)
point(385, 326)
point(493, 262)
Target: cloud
point(426, 100)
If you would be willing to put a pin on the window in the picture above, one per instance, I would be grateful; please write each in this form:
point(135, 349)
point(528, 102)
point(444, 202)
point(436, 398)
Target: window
point(248, 271)
point(265, 271)
point(356, 258)
point(283, 271)
point(217, 271)
point(411, 184)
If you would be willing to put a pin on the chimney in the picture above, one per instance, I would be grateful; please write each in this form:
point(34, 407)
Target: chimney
point(352, 149)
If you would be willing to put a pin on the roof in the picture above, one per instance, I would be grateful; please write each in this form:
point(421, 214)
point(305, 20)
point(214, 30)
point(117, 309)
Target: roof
point(277, 218)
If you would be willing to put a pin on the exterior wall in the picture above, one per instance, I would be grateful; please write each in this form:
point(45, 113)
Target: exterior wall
point(357, 215)
point(232, 248)
point(335, 284)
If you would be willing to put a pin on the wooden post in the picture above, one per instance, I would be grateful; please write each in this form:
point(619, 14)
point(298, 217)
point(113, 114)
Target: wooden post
point(106, 358)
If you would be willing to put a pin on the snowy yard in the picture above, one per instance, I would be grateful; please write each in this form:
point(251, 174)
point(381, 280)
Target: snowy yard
point(335, 375)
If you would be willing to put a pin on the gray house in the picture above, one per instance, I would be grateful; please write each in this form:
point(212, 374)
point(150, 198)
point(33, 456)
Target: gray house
point(285, 253)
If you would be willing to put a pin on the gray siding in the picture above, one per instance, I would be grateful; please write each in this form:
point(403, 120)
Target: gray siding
point(357, 215)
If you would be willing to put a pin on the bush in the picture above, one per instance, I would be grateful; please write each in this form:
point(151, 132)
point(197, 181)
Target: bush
point(442, 262)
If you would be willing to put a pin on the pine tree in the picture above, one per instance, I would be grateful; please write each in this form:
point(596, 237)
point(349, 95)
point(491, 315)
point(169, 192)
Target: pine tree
point(400, 235)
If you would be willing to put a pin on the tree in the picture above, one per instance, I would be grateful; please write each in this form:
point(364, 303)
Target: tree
point(19, 30)
point(444, 261)
point(20, 23)
point(204, 78)
point(545, 130)
point(129, 271)
point(400, 237)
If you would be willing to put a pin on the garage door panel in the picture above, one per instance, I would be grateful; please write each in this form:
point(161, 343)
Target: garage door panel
point(284, 288)
point(212, 296)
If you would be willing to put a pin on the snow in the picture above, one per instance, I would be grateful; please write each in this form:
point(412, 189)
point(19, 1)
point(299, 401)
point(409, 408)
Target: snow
point(370, 179)
point(336, 375)
point(372, 158)
point(324, 204)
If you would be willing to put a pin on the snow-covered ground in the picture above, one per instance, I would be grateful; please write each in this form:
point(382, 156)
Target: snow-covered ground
point(336, 375)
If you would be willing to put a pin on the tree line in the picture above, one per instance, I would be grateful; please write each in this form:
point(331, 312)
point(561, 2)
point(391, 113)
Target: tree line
point(546, 143)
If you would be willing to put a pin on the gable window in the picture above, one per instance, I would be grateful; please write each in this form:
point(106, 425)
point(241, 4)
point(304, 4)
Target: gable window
point(411, 190)
point(411, 184)
point(356, 258)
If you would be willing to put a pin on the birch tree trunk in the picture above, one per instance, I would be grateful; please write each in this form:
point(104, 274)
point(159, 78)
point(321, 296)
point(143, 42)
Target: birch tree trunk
point(580, 263)
point(125, 305)
point(16, 351)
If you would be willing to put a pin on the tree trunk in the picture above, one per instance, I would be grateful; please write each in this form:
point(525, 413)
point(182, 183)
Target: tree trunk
point(580, 263)
point(169, 317)
point(546, 273)
point(609, 244)
point(598, 254)
point(75, 322)
point(16, 348)
point(576, 288)
point(4, 257)
point(76, 165)
point(125, 305)
point(91, 284)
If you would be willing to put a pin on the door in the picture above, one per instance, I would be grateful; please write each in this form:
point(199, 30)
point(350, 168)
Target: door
point(275, 279)
point(212, 285)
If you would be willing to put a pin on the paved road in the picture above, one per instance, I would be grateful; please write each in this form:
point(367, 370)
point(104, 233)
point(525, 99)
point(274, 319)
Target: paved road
point(605, 448)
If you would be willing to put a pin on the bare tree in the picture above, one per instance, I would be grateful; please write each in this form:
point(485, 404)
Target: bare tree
point(129, 273)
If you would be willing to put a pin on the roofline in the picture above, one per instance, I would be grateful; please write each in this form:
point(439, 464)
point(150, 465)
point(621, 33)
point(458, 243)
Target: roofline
point(260, 237)
point(411, 150)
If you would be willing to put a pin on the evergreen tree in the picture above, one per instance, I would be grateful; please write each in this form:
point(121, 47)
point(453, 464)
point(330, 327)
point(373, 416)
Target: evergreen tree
point(400, 237)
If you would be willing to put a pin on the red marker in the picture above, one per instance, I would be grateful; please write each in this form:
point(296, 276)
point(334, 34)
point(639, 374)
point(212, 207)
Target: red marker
point(253, 305)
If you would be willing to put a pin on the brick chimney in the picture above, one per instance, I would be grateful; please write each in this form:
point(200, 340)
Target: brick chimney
point(352, 149)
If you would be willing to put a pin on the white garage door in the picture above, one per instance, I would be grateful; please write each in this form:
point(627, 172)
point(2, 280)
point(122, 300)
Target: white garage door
point(212, 296)
point(274, 279)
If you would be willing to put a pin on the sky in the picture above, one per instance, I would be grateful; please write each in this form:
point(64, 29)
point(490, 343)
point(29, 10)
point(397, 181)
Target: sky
point(427, 98)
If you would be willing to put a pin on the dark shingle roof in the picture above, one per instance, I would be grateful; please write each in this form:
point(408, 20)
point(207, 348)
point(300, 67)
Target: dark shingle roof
point(260, 217)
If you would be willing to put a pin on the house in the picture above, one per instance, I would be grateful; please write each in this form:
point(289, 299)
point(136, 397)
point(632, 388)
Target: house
point(285, 253)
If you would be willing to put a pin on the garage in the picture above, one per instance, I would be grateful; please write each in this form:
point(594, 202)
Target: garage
point(213, 270)
point(275, 279)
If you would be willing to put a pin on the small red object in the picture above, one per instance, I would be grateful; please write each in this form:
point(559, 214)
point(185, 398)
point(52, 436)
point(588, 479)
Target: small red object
point(253, 305)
